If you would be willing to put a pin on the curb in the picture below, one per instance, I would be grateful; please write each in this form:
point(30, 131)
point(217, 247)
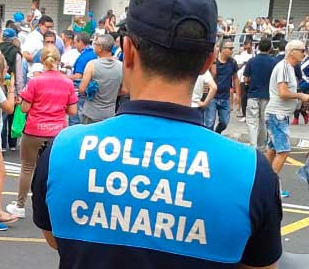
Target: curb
point(244, 138)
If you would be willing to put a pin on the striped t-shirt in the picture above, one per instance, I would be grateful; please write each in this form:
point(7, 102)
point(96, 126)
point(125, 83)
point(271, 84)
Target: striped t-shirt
point(283, 72)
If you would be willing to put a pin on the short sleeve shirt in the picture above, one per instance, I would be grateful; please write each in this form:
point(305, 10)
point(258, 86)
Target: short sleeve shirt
point(199, 88)
point(265, 205)
point(259, 70)
point(49, 95)
point(224, 76)
point(86, 55)
point(282, 73)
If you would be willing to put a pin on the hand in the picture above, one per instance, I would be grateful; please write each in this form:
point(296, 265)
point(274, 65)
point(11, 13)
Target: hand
point(18, 100)
point(303, 97)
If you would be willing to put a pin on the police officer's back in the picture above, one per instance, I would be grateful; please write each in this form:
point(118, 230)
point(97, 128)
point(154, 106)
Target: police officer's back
point(151, 187)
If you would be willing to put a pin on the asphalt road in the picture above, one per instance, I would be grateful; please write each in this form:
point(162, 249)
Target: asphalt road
point(22, 246)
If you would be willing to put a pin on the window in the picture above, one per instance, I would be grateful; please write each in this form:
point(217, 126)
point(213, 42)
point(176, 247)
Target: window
point(2, 12)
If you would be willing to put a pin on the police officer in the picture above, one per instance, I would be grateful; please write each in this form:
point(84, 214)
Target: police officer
point(150, 187)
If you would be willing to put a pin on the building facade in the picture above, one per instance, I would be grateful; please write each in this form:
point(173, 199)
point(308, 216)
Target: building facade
point(54, 8)
point(240, 10)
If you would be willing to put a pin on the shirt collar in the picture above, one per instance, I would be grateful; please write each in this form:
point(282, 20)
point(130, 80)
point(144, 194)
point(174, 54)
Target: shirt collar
point(163, 110)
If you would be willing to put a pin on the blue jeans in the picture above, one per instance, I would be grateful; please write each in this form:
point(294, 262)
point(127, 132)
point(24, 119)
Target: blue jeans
point(77, 119)
point(223, 108)
point(278, 132)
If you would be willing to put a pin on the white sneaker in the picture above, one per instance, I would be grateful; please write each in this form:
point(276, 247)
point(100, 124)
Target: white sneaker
point(243, 119)
point(15, 210)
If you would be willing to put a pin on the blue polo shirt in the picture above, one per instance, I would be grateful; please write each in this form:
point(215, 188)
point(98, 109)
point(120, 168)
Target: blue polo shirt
point(85, 56)
point(259, 70)
point(224, 77)
point(136, 191)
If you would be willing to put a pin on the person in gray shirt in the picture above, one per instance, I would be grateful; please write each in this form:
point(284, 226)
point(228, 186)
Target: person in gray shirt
point(106, 73)
point(282, 103)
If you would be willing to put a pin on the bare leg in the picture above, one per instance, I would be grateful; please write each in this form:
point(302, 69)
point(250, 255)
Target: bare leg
point(2, 176)
point(278, 162)
point(270, 155)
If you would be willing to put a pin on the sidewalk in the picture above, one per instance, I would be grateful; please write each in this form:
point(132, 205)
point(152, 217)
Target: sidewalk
point(238, 131)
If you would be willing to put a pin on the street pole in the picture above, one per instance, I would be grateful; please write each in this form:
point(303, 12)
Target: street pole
point(288, 20)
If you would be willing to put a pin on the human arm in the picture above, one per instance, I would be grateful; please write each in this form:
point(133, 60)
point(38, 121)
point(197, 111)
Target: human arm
point(286, 94)
point(39, 190)
point(28, 56)
point(19, 74)
point(50, 239)
point(7, 103)
point(264, 247)
point(71, 110)
point(211, 93)
point(25, 106)
point(86, 78)
point(75, 76)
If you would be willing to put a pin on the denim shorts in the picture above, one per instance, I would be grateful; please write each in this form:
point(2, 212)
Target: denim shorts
point(278, 132)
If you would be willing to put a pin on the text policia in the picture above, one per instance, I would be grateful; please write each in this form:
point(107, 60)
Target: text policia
point(165, 223)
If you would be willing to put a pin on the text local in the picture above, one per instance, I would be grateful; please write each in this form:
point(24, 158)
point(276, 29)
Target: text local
point(171, 226)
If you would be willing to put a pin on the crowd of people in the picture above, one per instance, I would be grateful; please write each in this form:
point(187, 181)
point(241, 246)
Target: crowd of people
point(81, 77)
point(262, 27)
point(75, 75)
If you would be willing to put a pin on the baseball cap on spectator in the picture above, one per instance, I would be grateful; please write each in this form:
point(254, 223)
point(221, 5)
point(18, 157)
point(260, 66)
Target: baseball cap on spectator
point(157, 22)
point(18, 17)
point(9, 33)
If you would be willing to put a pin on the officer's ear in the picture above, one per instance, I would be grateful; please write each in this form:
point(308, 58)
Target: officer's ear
point(209, 61)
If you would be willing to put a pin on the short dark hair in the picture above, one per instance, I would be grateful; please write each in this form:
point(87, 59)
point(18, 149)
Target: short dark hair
point(45, 19)
point(84, 37)
point(68, 33)
point(265, 45)
point(223, 42)
point(49, 34)
point(282, 44)
point(173, 64)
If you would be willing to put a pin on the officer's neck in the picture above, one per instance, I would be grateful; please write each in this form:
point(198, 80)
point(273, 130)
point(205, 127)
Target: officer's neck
point(161, 90)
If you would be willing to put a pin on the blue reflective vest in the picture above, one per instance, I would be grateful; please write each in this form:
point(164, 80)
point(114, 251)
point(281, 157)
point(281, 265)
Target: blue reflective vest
point(152, 183)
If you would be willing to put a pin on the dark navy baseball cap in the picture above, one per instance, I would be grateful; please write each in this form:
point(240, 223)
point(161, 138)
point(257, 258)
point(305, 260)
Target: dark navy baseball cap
point(157, 22)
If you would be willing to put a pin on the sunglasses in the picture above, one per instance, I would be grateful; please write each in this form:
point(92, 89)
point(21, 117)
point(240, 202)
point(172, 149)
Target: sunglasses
point(49, 42)
point(230, 48)
point(301, 50)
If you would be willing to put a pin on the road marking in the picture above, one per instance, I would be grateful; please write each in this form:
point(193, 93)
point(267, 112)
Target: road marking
point(25, 240)
point(13, 193)
point(296, 211)
point(294, 162)
point(295, 206)
point(295, 226)
point(12, 175)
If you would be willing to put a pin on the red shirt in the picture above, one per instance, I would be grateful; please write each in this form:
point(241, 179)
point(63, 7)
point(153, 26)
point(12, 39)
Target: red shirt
point(49, 95)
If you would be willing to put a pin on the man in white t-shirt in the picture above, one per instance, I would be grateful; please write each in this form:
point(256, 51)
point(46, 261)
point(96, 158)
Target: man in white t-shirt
point(204, 91)
point(70, 54)
point(34, 42)
point(282, 103)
